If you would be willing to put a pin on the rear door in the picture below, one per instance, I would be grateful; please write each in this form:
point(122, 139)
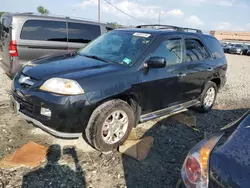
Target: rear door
point(5, 37)
point(199, 67)
point(80, 34)
point(40, 38)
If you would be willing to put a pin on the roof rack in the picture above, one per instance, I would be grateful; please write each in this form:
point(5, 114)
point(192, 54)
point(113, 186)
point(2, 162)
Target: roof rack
point(159, 26)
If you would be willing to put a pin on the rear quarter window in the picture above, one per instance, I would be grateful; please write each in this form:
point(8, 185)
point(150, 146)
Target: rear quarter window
point(44, 30)
point(214, 47)
point(82, 33)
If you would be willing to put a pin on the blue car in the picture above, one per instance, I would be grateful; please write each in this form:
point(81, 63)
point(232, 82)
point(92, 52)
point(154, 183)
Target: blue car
point(221, 160)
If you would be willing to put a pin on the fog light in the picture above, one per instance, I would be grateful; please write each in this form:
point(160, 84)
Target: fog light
point(46, 112)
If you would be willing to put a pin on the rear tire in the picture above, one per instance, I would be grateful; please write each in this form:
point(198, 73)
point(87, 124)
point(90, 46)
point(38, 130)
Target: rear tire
point(104, 122)
point(207, 98)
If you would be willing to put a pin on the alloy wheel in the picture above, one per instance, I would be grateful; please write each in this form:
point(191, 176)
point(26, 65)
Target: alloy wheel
point(209, 97)
point(115, 127)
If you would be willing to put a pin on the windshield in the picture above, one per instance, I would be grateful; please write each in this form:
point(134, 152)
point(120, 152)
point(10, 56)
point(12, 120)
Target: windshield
point(238, 45)
point(118, 47)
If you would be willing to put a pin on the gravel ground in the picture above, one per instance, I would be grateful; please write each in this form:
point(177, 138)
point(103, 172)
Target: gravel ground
point(81, 166)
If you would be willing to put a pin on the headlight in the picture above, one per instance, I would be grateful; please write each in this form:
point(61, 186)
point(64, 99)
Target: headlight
point(62, 86)
point(195, 169)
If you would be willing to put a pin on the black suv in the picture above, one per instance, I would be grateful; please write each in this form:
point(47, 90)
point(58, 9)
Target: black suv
point(123, 77)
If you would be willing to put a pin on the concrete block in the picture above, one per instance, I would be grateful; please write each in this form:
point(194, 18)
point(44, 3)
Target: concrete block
point(137, 149)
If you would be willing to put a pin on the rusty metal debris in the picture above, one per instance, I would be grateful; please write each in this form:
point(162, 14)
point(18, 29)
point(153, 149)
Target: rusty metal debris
point(29, 155)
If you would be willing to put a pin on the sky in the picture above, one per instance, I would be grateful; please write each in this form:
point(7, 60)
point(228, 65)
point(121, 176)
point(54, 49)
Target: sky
point(203, 14)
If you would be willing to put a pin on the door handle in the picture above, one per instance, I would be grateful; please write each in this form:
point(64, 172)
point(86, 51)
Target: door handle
point(182, 75)
point(209, 69)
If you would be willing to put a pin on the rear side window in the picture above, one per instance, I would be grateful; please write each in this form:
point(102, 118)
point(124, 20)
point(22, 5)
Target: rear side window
point(82, 33)
point(215, 47)
point(44, 30)
point(195, 51)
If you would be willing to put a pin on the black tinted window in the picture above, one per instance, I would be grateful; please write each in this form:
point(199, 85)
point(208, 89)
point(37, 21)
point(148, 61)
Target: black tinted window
point(44, 30)
point(82, 33)
point(195, 50)
point(171, 50)
point(214, 47)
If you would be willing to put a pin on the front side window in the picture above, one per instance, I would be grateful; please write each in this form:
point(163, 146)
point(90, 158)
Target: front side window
point(83, 33)
point(118, 46)
point(44, 30)
point(195, 51)
point(171, 50)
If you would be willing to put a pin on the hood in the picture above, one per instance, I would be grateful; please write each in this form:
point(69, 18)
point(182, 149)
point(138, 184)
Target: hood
point(230, 164)
point(68, 66)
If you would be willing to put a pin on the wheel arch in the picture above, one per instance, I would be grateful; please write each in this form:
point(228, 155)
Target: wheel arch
point(130, 98)
point(217, 81)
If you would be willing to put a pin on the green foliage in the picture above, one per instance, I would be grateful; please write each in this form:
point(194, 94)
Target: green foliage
point(1, 13)
point(42, 10)
point(115, 24)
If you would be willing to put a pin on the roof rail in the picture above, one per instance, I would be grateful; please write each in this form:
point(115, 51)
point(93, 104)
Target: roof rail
point(27, 13)
point(159, 26)
point(192, 29)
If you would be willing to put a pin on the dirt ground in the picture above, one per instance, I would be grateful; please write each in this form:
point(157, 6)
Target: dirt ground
point(81, 166)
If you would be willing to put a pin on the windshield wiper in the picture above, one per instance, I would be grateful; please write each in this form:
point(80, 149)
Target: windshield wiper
point(99, 58)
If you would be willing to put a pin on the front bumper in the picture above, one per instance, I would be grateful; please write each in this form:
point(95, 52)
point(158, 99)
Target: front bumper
point(50, 130)
point(234, 52)
point(69, 114)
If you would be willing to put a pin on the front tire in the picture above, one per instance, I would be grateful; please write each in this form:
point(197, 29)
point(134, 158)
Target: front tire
point(207, 98)
point(110, 125)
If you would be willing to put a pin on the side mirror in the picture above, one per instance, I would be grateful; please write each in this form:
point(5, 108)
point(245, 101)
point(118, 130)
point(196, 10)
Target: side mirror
point(156, 62)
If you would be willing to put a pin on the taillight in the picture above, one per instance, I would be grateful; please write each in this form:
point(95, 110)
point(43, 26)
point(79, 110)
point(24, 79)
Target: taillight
point(195, 170)
point(13, 49)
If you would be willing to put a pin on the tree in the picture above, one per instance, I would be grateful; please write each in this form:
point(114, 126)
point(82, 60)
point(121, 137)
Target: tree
point(115, 24)
point(42, 10)
point(1, 13)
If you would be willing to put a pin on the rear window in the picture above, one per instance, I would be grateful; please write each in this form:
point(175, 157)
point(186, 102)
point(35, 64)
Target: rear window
point(44, 30)
point(215, 47)
point(82, 33)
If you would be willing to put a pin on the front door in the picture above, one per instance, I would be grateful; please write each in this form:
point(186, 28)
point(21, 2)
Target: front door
point(163, 87)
